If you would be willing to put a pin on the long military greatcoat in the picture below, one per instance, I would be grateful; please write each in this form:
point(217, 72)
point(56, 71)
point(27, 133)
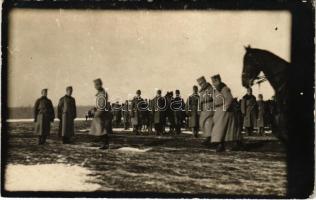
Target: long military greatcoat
point(43, 115)
point(249, 110)
point(261, 113)
point(178, 108)
point(102, 115)
point(207, 110)
point(136, 117)
point(192, 110)
point(225, 124)
point(158, 110)
point(66, 112)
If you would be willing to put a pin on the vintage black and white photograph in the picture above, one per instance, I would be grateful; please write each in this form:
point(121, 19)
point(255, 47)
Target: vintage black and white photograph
point(148, 101)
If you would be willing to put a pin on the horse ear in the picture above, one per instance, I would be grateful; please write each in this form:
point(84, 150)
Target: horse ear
point(247, 47)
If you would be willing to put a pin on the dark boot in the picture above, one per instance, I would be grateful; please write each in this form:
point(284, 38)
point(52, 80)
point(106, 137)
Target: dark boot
point(220, 147)
point(40, 140)
point(105, 142)
point(195, 132)
point(207, 141)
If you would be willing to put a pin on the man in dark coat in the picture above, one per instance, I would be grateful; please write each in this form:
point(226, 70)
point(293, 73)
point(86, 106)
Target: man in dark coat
point(261, 114)
point(192, 111)
point(158, 109)
point(117, 114)
point(43, 116)
point(178, 108)
point(136, 112)
point(125, 113)
point(66, 112)
point(169, 112)
point(249, 111)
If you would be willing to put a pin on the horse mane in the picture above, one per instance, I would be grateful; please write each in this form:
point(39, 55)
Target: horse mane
point(268, 54)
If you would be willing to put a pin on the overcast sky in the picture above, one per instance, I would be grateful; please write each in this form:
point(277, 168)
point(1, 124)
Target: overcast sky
point(132, 50)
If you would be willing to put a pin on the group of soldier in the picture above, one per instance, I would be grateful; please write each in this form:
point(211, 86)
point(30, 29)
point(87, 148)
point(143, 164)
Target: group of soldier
point(210, 109)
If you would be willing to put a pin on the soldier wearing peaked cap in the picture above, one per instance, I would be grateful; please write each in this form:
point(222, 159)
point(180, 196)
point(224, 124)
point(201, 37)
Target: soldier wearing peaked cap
point(66, 112)
point(206, 106)
point(192, 111)
point(100, 124)
point(43, 116)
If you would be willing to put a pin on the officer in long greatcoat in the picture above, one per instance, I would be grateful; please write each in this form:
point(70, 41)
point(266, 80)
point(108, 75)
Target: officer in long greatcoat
point(225, 127)
point(136, 117)
point(207, 110)
point(102, 114)
point(249, 110)
point(125, 113)
point(192, 111)
point(178, 108)
point(66, 112)
point(158, 109)
point(261, 114)
point(43, 116)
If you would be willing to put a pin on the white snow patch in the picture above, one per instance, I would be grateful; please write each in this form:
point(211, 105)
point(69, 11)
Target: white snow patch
point(48, 177)
point(132, 149)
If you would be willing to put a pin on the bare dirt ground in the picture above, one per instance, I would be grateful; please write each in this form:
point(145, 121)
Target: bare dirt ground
point(167, 164)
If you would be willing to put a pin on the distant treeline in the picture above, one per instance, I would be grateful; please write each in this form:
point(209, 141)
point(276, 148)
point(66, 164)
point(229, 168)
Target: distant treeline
point(27, 112)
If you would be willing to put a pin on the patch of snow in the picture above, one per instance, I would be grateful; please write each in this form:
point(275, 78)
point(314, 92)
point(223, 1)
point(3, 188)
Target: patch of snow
point(132, 149)
point(48, 177)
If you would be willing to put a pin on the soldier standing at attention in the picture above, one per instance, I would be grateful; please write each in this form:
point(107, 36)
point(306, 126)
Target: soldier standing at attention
point(66, 112)
point(261, 114)
point(101, 111)
point(43, 116)
point(177, 106)
point(192, 111)
point(249, 111)
point(125, 113)
point(158, 109)
point(136, 112)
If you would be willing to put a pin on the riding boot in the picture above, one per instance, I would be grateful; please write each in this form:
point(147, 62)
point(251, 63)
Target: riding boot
point(220, 147)
point(105, 142)
point(207, 141)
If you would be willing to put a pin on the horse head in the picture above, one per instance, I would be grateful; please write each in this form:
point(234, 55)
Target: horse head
point(251, 69)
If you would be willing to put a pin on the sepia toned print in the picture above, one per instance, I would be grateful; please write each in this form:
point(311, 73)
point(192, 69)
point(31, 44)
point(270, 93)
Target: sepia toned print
point(185, 102)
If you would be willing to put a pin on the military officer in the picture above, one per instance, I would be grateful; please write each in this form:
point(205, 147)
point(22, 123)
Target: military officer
point(136, 112)
point(66, 112)
point(249, 110)
point(158, 109)
point(178, 107)
point(43, 116)
point(192, 111)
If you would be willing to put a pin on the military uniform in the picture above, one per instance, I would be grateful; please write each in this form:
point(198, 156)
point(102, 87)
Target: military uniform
point(260, 116)
point(126, 117)
point(192, 111)
point(178, 108)
point(158, 109)
point(207, 110)
point(43, 116)
point(136, 118)
point(66, 113)
point(249, 110)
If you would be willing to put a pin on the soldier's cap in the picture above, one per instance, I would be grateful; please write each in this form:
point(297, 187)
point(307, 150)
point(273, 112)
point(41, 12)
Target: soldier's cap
point(195, 87)
point(44, 90)
point(138, 92)
point(98, 81)
point(158, 91)
point(177, 91)
point(216, 77)
point(69, 88)
point(201, 80)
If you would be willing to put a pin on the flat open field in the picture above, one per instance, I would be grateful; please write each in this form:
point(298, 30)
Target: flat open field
point(142, 163)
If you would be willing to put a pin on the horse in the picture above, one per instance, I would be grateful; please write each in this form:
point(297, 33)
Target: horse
point(276, 72)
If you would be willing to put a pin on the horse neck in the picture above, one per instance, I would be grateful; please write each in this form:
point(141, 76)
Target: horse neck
point(275, 71)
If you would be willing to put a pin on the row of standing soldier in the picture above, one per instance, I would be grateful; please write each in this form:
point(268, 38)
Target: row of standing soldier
point(219, 125)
